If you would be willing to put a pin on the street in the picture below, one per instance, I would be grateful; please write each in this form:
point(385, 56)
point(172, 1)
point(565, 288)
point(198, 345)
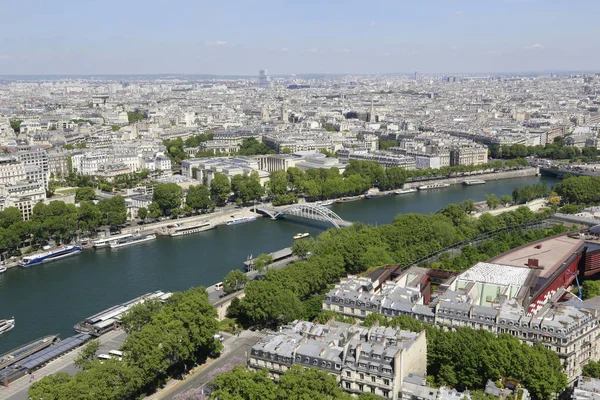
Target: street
point(234, 353)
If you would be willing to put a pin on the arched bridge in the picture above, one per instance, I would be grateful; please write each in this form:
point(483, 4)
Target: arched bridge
point(310, 211)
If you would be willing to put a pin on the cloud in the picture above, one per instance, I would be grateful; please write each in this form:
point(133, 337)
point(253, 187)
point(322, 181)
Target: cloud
point(284, 49)
point(5, 57)
point(492, 52)
point(373, 23)
point(125, 37)
point(313, 50)
point(536, 46)
point(454, 48)
point(345, 50)
point(217, 43)
point(413, 53)
point(459, 13)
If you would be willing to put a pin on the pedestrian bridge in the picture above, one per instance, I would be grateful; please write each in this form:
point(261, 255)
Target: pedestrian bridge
point(309, 211)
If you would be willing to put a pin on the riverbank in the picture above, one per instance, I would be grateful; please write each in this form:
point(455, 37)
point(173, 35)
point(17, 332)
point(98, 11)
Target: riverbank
point(490, 176)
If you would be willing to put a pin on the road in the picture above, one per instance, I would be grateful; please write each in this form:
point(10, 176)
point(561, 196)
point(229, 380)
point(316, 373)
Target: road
point(17, 390)
point(234, 353)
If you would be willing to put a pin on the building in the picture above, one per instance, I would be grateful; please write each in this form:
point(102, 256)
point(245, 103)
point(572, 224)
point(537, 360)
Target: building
point(364, 360)
point(36, 164)
point(522, 292)
point(264, 80)
point(586, 388)
point(22, 195)
point(385, 159)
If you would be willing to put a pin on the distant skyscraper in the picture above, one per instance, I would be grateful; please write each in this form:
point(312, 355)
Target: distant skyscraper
point(416, 75)
point(264, 80)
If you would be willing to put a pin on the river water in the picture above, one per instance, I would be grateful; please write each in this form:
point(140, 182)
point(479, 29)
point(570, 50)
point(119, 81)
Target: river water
point(51, 298)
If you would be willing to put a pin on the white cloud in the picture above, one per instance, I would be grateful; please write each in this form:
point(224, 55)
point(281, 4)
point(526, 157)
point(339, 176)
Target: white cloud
point(217, 43)
point(459, 13)
point(373, 23)
point(413, 53)
point(6, 57)
point(536, 46)
point(454, 48)
point(313, 50)
point(284, 49)
point(492, 52)
point(345, 50)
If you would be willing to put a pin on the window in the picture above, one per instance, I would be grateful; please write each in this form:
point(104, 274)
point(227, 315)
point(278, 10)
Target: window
point(348, 374)
point(361, 376)
point(373, 379)
point(386, 382)
point(347, 385)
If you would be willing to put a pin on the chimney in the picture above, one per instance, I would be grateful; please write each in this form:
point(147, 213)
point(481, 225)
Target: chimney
point(533, 262)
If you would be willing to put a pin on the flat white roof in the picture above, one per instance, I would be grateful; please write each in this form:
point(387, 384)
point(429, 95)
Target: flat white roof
point(496, 273)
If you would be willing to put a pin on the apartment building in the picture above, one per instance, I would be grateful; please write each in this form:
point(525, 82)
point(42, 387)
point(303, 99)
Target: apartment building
point(364, 360)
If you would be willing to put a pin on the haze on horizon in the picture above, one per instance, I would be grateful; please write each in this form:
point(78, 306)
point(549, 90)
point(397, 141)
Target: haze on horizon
point(311, 36)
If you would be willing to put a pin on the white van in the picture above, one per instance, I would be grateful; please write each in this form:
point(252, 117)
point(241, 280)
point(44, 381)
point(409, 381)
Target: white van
point(219, 337)
point(116, 354)
point(219, 286)
point(104, 357)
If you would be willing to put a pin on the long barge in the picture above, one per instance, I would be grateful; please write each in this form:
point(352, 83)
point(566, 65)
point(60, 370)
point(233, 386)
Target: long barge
point(22, 352)
point(52, 255)
point(109, 319)
point(188, 230)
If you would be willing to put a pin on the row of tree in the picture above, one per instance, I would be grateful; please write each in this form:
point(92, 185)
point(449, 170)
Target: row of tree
point(175, 148)
point(554, 151)
point(163, 341)
point(527, 193)
point(579, 190)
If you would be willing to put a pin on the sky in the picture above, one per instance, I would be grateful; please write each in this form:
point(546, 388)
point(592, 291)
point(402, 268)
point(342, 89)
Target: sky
point(239, 37)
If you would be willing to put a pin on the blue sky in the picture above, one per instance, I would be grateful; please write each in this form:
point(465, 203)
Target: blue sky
point(309, 36)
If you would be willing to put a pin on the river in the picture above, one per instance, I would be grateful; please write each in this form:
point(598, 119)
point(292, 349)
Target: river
point(51, 298)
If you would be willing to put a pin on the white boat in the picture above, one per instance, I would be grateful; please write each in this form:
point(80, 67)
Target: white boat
point(474, 182)
point(325, 203)
point(54, 254)
point(3, 269)
point(434, 186)
point(103, 243)
point(132, 240)
point(188, 230)
point(6, 325)
point(301, 235)
point(405, 191)
point(242, 220)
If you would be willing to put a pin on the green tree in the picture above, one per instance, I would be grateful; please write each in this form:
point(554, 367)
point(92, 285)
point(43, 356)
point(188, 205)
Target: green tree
point(278, 183)
point(234, 280)
point(114, 211)
point(89, 216)
point(142, 213)
point(262, 262)
point(220, 187)
point(139, 315)
point(590, 289)
point(506, 199)
point(168, 196)
point(87, 354)
point(16, 125)
point(53, 387)
point(309, 383)
point(85, 194)
point(591, 369)
point(198, 198)
point(154, 210)
point(244, 384)
point(10, 216)
point(492, 201)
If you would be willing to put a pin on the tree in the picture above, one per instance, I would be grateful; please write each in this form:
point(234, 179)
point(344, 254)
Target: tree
point(220, 187)
point(198, 198)
point(591, 369)
point(278, 183)
point(154, 210)
point(247, 188)
point(10, 216)
point(234, 280)
point(590, 289)
point(114, 212)
point(302, 248)
point(506, 199)
point(262, 262)
point(244, 384)
point(139, 315)
point(89, 216)
point(85, 194)
point(492, 201)
point(142, 213)
point(168, 196)
point(53, 387)
point(16, 125)
point(87, 354)
point(309, 383)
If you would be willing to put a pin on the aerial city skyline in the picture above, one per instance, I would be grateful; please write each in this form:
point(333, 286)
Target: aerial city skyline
point(283, 200)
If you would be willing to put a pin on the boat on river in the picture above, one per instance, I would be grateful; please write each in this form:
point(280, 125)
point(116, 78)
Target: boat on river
point(325, 203)
point(3, 269)
point(6, 325)
point(24, 351)
point(301, 235)
point(132, 240)
point(473, 182)
point(434, 186)
point(242, 220)
point(405, 191)
point(52, 255)
point(104, 243)
point(376, 195)
point(181, 230)
point(350, 199)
